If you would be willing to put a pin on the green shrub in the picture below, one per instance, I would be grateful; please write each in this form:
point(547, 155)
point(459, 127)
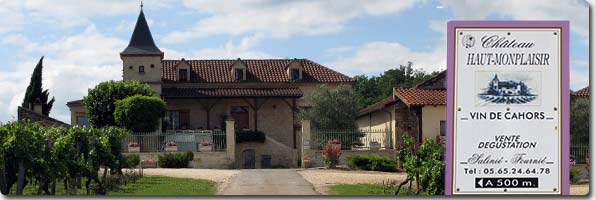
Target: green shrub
point(100, 100)
point(575, 175)
point(173, 160)
point(131, 161)
point(250, 136)
point(371, 162)
point(189, 155)
point(139, 113)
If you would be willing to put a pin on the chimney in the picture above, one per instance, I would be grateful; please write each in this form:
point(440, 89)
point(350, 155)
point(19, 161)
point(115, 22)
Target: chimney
point(37, 108)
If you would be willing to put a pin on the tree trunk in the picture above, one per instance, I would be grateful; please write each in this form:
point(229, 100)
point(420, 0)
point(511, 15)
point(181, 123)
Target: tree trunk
point(400, 185)
point(87, 186)
point(21, 178)
point(3, 185)
point(409, 188)
point(53, 192)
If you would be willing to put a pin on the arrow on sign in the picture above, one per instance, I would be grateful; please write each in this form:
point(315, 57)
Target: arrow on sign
point(480, 182)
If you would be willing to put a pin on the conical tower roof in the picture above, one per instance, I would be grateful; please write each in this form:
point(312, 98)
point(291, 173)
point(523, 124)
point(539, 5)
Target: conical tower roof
point(141, 41)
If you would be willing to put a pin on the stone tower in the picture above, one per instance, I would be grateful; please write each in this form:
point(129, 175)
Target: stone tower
point(141, 60)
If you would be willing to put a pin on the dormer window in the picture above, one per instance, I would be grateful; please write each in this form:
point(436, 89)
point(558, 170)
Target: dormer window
point(239, 74)
point(141, 69)
point(295, 74)
point(183, 75)
point(295, 70)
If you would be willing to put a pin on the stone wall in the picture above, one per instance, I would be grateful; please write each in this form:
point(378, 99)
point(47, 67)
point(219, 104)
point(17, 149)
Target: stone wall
point(405, 120)
point(281, 155)
point(316, 156)
point(203, 160)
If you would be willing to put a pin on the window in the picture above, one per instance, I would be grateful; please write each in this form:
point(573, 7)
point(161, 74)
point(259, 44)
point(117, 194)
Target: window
point(183, 74)
point(295, 74)
point(442, 128)
point(141, 69)
point(239, 74)
point(82, 121)
point(178, 120)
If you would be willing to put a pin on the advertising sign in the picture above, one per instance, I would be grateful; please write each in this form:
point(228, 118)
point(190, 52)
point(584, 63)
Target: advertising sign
point(507, 107)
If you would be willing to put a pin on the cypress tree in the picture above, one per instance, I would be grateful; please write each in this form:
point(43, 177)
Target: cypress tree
point(35, 91)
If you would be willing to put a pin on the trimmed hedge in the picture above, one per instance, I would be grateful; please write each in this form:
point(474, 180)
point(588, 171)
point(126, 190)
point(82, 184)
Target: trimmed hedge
point(175, 160)
point(131, 161)
point(371, 162)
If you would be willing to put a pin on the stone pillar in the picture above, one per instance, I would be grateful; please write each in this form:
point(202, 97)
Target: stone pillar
point(306, 142)
point(230, 140)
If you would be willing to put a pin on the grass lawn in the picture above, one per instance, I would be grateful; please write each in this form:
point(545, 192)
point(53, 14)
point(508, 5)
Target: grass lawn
point(147, 185)
point(161, 185)
point(364, 189)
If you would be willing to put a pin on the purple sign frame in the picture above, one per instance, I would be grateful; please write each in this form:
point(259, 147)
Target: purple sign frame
point(564, 26)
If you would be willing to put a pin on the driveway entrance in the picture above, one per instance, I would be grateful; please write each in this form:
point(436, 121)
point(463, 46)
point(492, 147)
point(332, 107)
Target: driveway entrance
point(269, 182)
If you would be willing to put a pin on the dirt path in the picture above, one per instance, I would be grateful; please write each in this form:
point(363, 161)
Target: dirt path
point(322, 178)
point(269, 182)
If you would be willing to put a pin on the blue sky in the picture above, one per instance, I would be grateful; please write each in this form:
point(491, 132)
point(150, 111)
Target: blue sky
point(81, 39)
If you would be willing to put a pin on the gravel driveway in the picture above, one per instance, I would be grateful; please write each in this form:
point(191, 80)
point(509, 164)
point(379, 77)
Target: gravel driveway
point(269, 182)
point(221, 176)
point(322, 178)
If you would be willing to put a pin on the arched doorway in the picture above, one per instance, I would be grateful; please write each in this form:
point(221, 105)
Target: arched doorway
point(249, 159)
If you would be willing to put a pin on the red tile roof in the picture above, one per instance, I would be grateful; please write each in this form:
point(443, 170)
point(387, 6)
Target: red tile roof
point(228, 90)
point(265, 70)
point(582, 92)
point(413, 97)
point(378, 105)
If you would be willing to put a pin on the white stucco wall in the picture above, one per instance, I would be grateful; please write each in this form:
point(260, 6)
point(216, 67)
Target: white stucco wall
point(431, 117)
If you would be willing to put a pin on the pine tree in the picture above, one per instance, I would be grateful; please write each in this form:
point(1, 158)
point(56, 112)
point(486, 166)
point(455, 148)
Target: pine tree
point(35, 91)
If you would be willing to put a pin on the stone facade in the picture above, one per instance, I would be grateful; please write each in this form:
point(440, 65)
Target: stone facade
point(203, 160)
point(406, 120)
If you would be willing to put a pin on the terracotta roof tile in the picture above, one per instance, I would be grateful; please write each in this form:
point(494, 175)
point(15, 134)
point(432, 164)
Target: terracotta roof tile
point(264, 70)
point(377, 106)
point(413, 97)
point(25, 114)
point(582, 92)
point(220, 91)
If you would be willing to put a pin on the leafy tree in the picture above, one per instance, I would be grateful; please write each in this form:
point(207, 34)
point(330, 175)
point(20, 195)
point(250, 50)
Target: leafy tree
point(370, 90)
point(579, 119)
point(35, 91)
point(100, 101)
point(423, 164)
point(17, 142)
point(332, 109)
point(139, 113)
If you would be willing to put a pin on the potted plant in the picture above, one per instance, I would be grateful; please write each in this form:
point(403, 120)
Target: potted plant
point(133, 147)
point(307, 162)
point(335, 143)
point(206, 146)
point(374, 145)
point(171, 146)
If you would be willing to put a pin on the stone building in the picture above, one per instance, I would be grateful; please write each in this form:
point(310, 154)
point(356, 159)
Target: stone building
point(420, 111)
point(36, 115)
point(258, 94)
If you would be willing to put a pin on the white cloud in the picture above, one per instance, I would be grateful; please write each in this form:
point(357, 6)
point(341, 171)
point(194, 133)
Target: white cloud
point(64, 13)
point(228, 51)
point(280, 18)
point(577, 11)
point(579, 74)
point(72, 64)
point(376, 57)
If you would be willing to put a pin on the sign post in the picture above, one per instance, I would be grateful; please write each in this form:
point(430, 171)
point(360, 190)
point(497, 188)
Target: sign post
point(507, 108)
